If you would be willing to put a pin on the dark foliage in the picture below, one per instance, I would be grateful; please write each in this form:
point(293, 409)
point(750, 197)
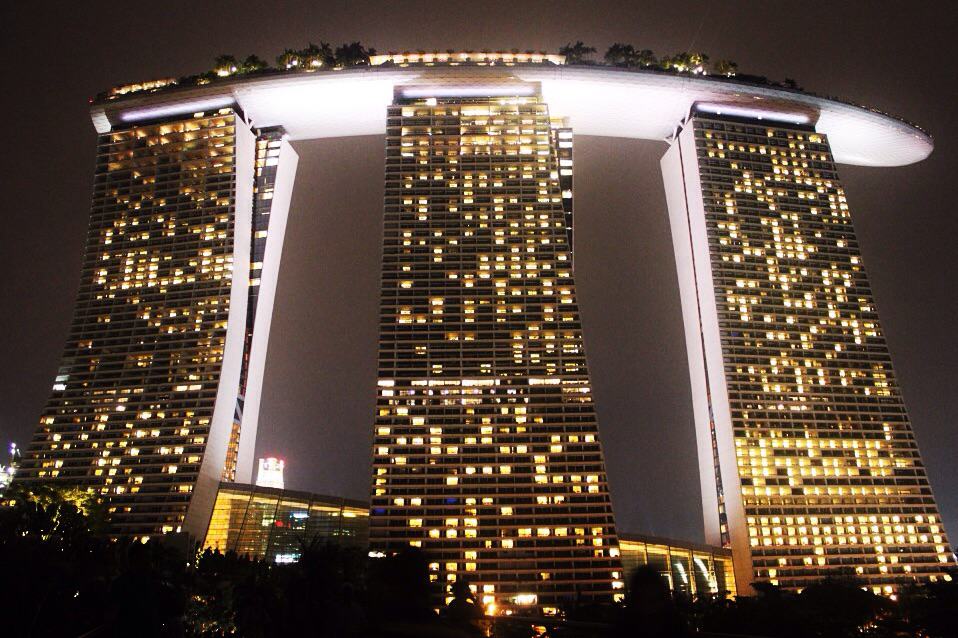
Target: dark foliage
point(353, 54)
point(64, 578)
point(577, 53)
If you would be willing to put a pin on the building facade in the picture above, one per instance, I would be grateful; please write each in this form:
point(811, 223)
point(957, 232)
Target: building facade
point(486, 451)
point(690, 569)
point(276, 525)
point(809, 467)
point(147, 404)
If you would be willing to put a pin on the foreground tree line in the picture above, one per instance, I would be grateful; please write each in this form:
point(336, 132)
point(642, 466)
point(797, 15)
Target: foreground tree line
point(62, 577)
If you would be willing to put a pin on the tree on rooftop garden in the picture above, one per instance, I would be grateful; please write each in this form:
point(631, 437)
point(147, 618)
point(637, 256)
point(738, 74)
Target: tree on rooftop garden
point(628, 56)
point(619, 54)
point(353, 54)
point(694, 63)
point(644, 58)
point(252, 63)
point(289, 59)
point(225, 65)
point(313, 57)
point(577, 53)
point(726, 68)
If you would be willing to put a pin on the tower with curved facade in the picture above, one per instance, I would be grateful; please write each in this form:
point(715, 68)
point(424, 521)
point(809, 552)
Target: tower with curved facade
point(808, 462)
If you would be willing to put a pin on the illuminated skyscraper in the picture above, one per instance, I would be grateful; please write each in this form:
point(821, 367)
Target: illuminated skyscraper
point(486, 448)
point(809, 467)
point(486, 452)
point(147, 403)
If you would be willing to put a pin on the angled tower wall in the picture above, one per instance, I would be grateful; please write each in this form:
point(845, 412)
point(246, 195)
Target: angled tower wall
point(808, 464)
point(142, 408)
point(486, 452)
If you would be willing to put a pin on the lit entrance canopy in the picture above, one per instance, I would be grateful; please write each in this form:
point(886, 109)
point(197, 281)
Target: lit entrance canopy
point(597, 100)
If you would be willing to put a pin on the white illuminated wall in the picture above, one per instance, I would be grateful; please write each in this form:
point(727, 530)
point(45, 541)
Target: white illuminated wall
point(683, 191)
point(269, 277)
point(221, 425)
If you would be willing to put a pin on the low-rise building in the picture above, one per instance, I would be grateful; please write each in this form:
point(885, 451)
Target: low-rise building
point(690, 568)
point(275, 524)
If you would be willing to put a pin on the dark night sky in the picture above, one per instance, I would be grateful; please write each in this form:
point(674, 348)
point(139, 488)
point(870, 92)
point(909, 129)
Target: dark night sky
point(319, 393)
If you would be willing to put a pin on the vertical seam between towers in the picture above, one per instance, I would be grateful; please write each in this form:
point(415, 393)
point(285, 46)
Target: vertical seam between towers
point(719, 491)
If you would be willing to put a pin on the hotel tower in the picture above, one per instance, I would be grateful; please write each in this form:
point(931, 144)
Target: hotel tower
point(486, 449)
point(167, 347)
point(808, 464)
point(487, 453)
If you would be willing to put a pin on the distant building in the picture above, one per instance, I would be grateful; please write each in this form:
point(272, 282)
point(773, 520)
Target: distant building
point(690, 568)
point(7, 471)
point(275, 524)
point(271, 472)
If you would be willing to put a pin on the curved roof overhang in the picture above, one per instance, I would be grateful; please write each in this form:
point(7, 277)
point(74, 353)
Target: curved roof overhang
point(597, 100)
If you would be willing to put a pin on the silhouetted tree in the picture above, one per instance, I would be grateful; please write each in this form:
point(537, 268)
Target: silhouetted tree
point(253, 63)
point(628, 56)
point(143, 601)
point(225, 65)
point(314, 57)
point(323, 589)
point(619, 54)
point(577, 53)
point(398, 588)
point(650, 611)
point(930, 608)
point(464, 610)
point(839, 608)
point(726, 68)
point(353, 54)
point(56, 567)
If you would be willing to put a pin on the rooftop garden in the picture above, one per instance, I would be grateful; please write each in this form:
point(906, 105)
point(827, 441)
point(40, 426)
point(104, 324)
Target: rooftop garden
point(325, 58)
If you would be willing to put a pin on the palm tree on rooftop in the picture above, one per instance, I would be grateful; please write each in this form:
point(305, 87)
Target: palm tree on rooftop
point(317, 56)
point(726, 68)
point(577, 53)
point(289, 59)
point(353, 54)
point(620, 54)
point(253, 63)
point(644, 58)
point(225, 65)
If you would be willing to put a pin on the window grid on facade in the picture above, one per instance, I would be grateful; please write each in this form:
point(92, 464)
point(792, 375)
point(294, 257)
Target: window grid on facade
point(131, 406)
point(829, 471)
point(486, 451)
